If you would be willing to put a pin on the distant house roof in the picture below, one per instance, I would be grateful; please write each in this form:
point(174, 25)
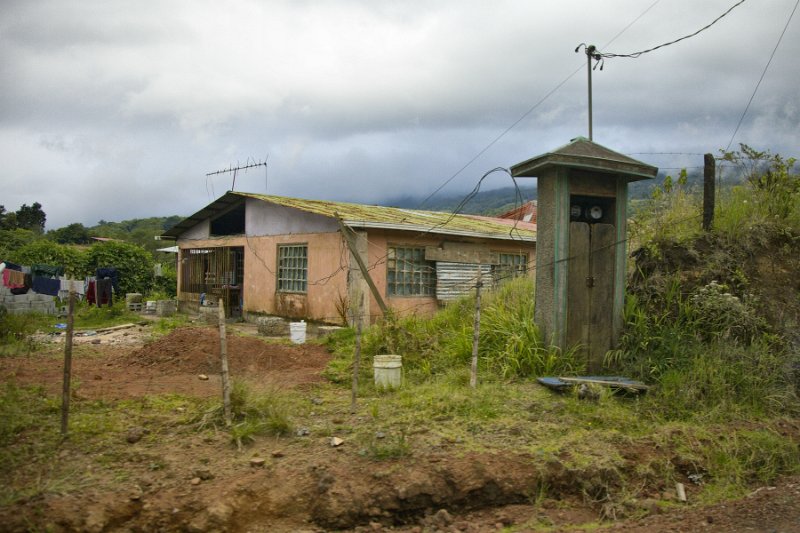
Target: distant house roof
point(374, 216)
point(525, 213)
point(106, 239)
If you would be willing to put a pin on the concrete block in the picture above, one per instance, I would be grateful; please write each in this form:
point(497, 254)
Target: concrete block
point(272, 326)
point(166, 307)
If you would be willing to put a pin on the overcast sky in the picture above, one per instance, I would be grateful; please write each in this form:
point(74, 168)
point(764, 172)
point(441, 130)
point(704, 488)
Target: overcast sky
point(116, 110)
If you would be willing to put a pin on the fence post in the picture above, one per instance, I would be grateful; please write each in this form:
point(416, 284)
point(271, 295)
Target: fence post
point(357, 355)
point(473, 377)
point(223, 355)
point(708, 191)
point(65, 390)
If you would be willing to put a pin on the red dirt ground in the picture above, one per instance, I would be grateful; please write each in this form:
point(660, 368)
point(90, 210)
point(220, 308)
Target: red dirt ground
point(306, 485)
point(170, 364)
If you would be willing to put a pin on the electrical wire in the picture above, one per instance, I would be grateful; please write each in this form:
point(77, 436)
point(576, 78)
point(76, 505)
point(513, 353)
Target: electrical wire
point(750, 101)
point(605, 55)
point(529, 111)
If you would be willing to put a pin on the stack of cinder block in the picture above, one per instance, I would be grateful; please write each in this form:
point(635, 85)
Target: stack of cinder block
point(27, 303)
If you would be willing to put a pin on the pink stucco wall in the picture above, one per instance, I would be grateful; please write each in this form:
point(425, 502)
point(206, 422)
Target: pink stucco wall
point(328, 263)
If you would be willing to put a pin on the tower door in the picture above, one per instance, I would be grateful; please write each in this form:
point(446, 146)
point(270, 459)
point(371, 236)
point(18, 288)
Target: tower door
point(590, 290)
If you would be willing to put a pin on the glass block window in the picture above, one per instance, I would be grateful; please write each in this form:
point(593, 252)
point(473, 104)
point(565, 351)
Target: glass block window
point(408, 273)
point(292, 268)
point(510, 266)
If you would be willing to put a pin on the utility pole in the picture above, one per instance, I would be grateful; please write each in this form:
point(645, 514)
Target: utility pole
point(591, 53)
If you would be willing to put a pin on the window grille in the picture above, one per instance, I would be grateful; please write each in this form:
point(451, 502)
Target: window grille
point(293, 268)
point(409, 274)
point(510, 266)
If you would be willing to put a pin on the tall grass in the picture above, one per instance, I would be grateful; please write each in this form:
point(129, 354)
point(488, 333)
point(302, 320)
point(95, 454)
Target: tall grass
point(510, 345)
point(694, 325)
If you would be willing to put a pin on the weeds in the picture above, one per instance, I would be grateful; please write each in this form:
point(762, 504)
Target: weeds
point(510, 345)
point(253, 412)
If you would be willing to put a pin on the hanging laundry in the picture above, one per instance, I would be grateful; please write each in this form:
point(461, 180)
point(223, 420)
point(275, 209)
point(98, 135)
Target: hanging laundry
point(70, 284)
point(13, 279)
point(45, 285)
point(91, 293)
point(103, 287)
point(47, 271)
point(111, 273)
point(12, 266)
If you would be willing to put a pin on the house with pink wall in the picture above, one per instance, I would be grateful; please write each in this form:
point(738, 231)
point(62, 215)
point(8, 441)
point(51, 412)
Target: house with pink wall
point(295, 258)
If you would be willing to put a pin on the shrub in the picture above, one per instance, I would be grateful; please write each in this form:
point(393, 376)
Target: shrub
point(721, 314)
point(134, 264)
point(46, 252)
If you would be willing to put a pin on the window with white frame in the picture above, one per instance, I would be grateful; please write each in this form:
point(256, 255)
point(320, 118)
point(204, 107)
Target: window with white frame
point(292, 268)
point(511, 265)
point(408, 273)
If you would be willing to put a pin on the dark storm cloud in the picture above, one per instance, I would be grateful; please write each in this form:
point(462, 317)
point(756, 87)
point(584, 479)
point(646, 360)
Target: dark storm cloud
point(117, 110)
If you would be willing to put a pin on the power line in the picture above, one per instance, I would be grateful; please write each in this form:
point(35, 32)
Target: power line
point(750, 101)
point(502, 134)
point(529, 111)
point(604, 55)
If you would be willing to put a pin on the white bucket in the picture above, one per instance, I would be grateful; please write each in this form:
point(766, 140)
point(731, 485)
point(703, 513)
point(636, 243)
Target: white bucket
point(297, 332)
point(388, 370)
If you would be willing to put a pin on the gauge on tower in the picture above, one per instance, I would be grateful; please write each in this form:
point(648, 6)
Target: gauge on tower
point(595, 212)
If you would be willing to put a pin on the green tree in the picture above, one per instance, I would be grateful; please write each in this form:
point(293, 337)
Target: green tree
point(134, 264)
point(75, 233)
point(31, 217)
point(8, 221)
point(45, 252)
point(12, 240)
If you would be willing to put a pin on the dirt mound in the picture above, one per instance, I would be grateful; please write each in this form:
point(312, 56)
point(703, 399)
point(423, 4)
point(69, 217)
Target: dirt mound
point(195, 350)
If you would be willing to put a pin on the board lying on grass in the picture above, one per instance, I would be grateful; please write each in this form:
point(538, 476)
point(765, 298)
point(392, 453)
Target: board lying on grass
point(614, 382)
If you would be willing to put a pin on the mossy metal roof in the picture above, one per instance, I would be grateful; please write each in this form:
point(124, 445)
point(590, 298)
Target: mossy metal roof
point(376, 216)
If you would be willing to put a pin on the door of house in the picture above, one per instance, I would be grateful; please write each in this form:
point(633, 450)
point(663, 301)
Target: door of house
point(590, 286)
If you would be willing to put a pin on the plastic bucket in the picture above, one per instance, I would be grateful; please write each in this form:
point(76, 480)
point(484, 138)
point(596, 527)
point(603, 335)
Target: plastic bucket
point(297, 332)
point(388, 371)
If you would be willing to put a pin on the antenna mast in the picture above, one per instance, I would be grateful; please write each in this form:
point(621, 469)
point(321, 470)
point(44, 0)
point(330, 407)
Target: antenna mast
point(237, 168)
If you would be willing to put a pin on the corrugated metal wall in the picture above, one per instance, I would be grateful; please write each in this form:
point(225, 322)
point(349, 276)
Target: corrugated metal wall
point(454, 280)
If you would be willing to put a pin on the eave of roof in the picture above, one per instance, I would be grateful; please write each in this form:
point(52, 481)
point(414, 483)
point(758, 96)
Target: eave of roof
point(585, 154)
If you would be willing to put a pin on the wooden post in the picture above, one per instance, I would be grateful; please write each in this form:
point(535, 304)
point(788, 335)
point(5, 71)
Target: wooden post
point(346, 233)
point(65, 391)
point(708, 191)
point(473, 377)
point(357, 355)
point(223, 355)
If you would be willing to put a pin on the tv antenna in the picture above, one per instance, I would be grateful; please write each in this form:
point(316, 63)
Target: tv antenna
point(235, 169)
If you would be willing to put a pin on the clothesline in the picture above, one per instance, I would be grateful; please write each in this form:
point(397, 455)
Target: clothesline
point(51, 281)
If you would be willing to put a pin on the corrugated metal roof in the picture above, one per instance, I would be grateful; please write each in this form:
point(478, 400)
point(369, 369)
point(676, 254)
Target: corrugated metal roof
point(376, 216)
